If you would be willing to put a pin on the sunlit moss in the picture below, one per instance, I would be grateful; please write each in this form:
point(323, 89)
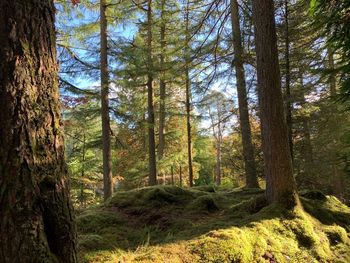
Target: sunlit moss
point(171, 224)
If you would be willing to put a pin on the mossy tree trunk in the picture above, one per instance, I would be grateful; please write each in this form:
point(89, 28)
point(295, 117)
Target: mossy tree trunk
point(36, 222)
point(248, 149)
point(280, 183)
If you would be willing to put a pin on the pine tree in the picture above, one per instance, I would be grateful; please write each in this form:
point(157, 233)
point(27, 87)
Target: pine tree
point(280, 185)
point(37, 220)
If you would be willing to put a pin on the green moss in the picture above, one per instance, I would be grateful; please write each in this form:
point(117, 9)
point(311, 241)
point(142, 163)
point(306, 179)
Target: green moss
point(205, 203)
point(206, 188)
point(93, 221)
point(167, 223)
point(93, 242)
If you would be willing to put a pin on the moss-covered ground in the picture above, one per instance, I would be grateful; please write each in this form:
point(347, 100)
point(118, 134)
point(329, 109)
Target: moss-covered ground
point(171, 224)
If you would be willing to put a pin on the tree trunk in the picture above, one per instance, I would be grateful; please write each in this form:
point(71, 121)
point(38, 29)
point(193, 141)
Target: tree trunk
point(218, 163)
point(307, 151)
point(37, 221)
point(332, 77)
point(82, 170)
point(172, 175)
point(248, 149)
point(288, 97)
point(180, 172)
point(162, 85)
point(188, 99)
point(152, 180)
point(106, 134)
point(280, 184)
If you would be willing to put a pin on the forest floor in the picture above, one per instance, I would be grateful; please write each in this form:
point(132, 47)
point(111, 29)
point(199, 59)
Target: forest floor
point(169, 224)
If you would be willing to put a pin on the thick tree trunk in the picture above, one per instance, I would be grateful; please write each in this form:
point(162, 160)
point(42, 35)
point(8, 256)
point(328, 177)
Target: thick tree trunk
point(188, 99)
point(162, 85)
point(152, 180)
point(36, 222)
point(288, 96)
point(106, 130)
point(248, 149)
point(280, 184)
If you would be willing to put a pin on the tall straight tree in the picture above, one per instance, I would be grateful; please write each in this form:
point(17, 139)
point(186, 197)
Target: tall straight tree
point(288, 97)
point(280, 183)
point(36, 222)
point(162, 84)
point(248, 149)
point(188, 93)
point(106, 131)
point(152, 180)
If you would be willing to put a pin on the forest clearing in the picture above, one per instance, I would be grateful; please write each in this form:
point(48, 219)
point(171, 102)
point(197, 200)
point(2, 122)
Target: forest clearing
point(168, 131)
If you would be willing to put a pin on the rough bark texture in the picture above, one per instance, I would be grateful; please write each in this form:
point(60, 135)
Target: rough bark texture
point(152, 180)
point(188, 100)
point(280, 184)
point(36, 222)
point(248, 149)
point(288, 97)
point(106, 130)
point(162, 86)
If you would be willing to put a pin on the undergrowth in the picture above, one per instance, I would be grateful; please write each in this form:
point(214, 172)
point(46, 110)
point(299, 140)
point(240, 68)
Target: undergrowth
point(204, 224)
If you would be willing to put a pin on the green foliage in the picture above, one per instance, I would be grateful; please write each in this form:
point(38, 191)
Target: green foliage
point(83, 150)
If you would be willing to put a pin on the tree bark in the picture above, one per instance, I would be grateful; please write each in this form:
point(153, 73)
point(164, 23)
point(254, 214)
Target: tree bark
point(248, 149)
point(188, 99)
point(280, 183)
point(288, 97)
point(106, 130)
point(152, 180)
point(37, 220)
point(162, 85)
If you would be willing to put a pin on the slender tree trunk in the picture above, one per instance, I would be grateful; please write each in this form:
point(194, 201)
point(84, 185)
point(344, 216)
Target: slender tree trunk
point(218, 163)
point(152, 180)
point(280, 184)
point(37, 221)
point(307, 151)
point(172, 175)
point(188, 99)
point(332, 77)
point(337, 176)
point(162, 85)
point(248, 149)
point(288, 97)
point(106, 130)
point(82, 171)
point(180, 172)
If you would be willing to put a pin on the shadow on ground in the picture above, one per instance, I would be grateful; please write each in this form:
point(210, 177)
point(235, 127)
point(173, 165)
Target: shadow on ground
point(204, 224)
